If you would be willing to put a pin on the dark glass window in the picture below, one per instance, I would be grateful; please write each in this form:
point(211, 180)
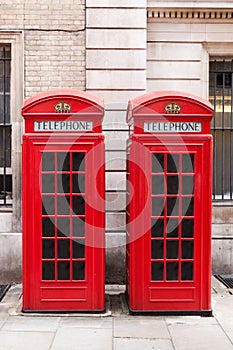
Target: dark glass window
point(5, 127)
point(220, 95)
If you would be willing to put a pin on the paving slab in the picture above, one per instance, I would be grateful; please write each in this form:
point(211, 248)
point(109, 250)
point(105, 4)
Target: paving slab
point(25, 340)
point(139, 344)
point(82, 322)
point(82, 339)
point(223, 313)
point(140, 327)
point(29, 323)
point(199, 336)
point(190, 320)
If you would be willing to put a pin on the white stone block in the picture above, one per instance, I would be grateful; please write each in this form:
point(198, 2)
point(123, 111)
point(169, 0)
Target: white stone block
point(115, 200)
point(115, 140)
point(116, 79)
point(115, 222)
point(113, 38)
point(192, 86)
point(117, 3)
point(10, 257)
point(115, 181)
point(116, 18)
point(115, 99)
point(174, 51)
point(115, 120)
point(6, 222)
point(174, 70)
point(116, 59)
point(115, 160)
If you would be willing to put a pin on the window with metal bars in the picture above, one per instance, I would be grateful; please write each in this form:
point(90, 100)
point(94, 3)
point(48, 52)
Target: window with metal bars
point(221, 96)
point(5, 127)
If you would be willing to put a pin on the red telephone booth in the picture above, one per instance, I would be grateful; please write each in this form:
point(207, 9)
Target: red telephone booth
point(169, 204)
point(63, 202)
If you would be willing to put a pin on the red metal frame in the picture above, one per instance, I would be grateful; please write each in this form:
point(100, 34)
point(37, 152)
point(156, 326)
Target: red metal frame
point(85, 293)
point(168, 294)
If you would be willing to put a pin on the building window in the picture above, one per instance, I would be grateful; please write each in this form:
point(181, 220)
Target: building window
point(5, 127)
point(221, 96)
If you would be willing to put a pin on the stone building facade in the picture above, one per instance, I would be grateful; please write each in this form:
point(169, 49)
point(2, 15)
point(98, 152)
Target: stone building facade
point(117, 50)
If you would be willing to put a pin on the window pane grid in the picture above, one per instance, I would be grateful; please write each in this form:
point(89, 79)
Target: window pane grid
point(172, 229)
point(63, 230)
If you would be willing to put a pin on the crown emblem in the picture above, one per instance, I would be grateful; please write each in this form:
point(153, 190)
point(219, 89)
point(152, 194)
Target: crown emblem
point(172, 108)
point(62, 107)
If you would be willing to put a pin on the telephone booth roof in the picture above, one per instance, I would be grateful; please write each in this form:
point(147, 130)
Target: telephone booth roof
point(154, 103)
point(81, 102)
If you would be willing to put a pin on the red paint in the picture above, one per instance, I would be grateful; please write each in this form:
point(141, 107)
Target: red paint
point(68, 286)
point(169, 261)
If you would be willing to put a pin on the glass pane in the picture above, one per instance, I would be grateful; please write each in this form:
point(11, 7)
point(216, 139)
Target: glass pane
point(173, 163)
point(157, 206)
point(157, 184)
point(172, 185)
point(63, 270)
point(78, 183)
point(78, 227)
point(47, 183)
point(187, 249)
point(188, 163)
point(48, 251)
point(157, 249)
point(5, 107)
point(158, 163)
point(157, 228)
point(78, 161)
point(78, 270)
point(187, 184)
point(63, 161)
point(48, 205)
point(63, 227)
point(63, 205)
point(63, 183)
point(78, 249)
point(63, 249)
point(187, 228)
point(172, 228)
point(187, 271)
point(157, 271)
point(172, 249)
point(78, 205)
point(48, 270)
point(173, 206)
point(47, 227)
point(5, 147)
point(48, 161)
point(188, 206)
point(8, 188)
point(172, 271)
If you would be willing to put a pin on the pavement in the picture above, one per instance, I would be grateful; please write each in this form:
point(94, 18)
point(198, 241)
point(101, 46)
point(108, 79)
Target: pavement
point(116, 329)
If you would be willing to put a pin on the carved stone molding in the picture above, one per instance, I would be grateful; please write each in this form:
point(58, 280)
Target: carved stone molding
point(190, 14)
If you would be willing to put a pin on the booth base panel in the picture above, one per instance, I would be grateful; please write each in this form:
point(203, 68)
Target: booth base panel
point(203, 313)
point(64, 311)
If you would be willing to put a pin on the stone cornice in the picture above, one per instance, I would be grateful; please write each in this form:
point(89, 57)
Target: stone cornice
point(180, 12)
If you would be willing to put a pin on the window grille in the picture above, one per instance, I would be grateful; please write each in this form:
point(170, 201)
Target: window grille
point(5, 128)
point(221, 96)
